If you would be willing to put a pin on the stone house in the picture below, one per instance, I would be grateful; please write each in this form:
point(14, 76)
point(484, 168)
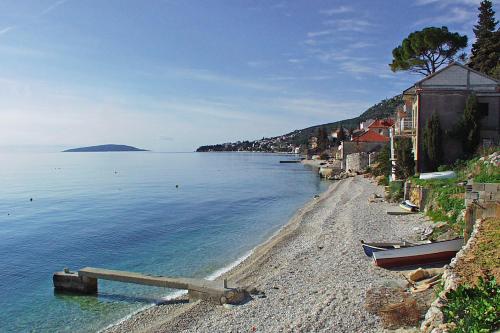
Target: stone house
point(445, 93)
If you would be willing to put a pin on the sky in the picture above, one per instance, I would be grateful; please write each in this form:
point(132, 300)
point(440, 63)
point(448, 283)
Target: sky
point(171, 75)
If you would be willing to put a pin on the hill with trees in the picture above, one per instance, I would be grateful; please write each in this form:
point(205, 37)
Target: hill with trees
point(103, 148)
point(284, 143)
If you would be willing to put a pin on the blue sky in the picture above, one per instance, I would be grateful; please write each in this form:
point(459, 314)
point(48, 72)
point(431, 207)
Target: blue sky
point(175, 74)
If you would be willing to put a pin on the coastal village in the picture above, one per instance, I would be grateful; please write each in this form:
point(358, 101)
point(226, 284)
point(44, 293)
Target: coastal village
point(400, 232)
point(437, 156)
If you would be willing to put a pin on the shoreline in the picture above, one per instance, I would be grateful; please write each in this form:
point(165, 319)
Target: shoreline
point(269, 265)
point(223, 272)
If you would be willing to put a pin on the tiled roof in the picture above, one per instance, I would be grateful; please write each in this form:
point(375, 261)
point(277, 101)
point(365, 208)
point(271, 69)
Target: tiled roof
point(382, 123)
point(371, 136)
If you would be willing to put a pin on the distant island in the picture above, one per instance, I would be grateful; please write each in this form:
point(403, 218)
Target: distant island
point(103, 148)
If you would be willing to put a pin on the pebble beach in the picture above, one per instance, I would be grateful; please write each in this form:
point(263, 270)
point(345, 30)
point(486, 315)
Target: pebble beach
point(312, 276)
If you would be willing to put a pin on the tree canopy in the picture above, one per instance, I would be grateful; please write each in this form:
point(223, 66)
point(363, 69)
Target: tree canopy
point(427, 50)
point(322, 139)
point(486, 50)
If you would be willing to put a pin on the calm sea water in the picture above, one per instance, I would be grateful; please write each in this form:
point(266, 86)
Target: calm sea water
point(123, 211)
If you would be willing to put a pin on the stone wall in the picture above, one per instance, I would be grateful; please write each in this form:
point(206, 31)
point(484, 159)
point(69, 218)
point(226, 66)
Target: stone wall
point(416, 194)
point(356, 162)
point(482, 192)
point(351, 147)
point(434, 319)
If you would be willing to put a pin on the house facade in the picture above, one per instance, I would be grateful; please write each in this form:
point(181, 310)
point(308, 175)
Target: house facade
point(445, 93)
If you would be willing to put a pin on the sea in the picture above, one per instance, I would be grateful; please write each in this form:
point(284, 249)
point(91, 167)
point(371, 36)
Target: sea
point(171, 214)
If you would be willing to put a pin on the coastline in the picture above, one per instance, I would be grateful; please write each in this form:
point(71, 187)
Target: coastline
point(224, 272)
point(276, 269)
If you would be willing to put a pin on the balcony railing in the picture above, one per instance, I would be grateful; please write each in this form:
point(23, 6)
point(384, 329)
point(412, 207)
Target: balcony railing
point(405, 127)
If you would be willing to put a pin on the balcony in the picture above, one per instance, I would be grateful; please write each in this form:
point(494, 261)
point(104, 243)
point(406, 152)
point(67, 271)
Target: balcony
point(404, 127)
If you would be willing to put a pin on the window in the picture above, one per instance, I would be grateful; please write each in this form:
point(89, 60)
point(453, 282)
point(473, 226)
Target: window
point(483, 109)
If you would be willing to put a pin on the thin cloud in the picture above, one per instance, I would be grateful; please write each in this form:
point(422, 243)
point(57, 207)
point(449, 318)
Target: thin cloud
point(360, 45)
point(454, 15)
point(6, 30)
point(257, 63)
point(319, 33)
point(443, 3)
point(338, 10)
point(356, 25)
point(52, 7)
point(21, 51)
point(204, 75)
point(318, 106)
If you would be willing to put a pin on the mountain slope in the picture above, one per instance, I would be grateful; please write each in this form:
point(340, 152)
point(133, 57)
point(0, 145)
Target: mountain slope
point(385, 108)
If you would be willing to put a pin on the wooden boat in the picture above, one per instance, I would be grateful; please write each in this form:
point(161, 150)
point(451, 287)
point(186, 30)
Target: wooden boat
point(369, 248)
point(419, 254)
point(290, 161)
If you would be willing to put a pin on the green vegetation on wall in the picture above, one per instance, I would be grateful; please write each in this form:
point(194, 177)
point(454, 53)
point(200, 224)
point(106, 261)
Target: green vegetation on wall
point(445, 199)
point(474, 309)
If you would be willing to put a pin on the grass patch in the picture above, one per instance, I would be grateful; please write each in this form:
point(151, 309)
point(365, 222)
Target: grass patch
point(487, 173)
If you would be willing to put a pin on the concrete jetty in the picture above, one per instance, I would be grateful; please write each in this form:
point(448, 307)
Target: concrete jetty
point(85, 282)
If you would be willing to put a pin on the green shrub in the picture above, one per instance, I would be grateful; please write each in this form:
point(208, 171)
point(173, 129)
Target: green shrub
point(488, 173)
point(383, 162)
point(405, 162)
point(395, 190)
point(474, 309)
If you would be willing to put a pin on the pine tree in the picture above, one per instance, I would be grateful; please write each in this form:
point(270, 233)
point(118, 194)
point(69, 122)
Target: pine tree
point(486, 50)
point(432, 142)
point(425, 51)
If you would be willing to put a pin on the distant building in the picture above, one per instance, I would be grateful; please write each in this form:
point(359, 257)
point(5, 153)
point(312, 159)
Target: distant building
point(365, 124)
point(337, 133)
point(371, 136)
point(381, 126)
point(445, 93)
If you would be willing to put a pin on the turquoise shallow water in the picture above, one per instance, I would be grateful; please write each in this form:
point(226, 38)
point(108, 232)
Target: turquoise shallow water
point(123, 211)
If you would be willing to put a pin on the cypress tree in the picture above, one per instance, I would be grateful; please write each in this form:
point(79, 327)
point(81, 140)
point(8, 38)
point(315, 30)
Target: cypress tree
point(341, 134)
point(470, 125)
point(322, 139)
point(486, 50)
point(432, 142)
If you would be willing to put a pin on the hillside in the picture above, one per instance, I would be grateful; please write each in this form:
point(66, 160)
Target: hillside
point(383, 109)
point(103, 148)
